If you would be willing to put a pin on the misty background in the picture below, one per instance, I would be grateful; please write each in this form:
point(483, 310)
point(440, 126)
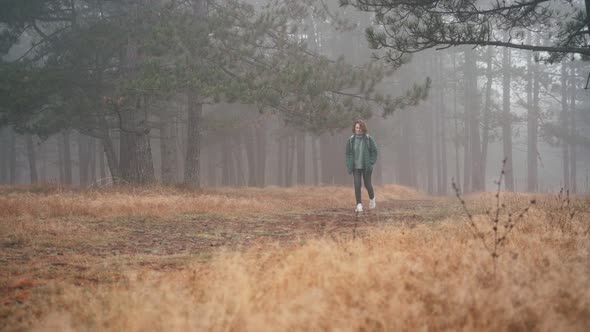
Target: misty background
point(256, 93)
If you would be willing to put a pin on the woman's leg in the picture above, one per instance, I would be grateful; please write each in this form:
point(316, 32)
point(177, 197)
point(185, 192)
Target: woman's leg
point(368, 184)
point(357, 174)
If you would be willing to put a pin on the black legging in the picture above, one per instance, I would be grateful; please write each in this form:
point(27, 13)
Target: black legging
point(366, 175)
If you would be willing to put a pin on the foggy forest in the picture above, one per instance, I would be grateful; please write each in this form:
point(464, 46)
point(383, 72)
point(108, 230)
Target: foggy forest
point(101, 92)
point(193, 165)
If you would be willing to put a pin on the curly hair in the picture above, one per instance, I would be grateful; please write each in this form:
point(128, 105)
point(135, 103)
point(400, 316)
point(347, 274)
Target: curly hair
point(364, 127)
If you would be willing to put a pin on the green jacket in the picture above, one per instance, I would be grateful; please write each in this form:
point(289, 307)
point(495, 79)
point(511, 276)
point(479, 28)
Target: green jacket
point(369, 154)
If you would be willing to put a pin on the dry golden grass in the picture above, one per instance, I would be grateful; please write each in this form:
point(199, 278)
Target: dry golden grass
point(431, 276)
point(167, 201)
point(392, 279)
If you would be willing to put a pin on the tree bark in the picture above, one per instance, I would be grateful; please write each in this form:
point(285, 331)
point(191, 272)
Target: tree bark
point(300, 142)
point(83, 159)
point(315, 160)
point(327, 176)
point(4, 152)
point(456, 141)
point(572, 129)
point(249, 138)
point(407, 164)
point(238, 160)
point(290, 160)
point(167, 150)
point(281, 153)
point(507, 118)
point(212, 165)
point(101, 164)
point(31, 158)
point(261, 142)
point(472, 104)
point(192, 175)
point(192, 170)
point(226, 164)
point(109, 151)
point(67, 158)
point(487, 114)
point(13, 157)
point(564, 128)
point(533, 77)
point(136, 153)
point(443, 132)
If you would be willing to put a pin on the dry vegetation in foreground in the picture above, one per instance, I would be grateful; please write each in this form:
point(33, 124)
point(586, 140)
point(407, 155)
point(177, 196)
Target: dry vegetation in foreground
point(53, 201)
point(417, 266)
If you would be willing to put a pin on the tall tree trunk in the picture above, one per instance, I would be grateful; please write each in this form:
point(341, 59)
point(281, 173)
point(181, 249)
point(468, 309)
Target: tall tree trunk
point(377, 173)
point(456, 140)
point(472, 104)
point(261, 153)
point(290, 160)
point(507, 118)
point(136, 152)
point(4, 152)
point(443, 132)
point(31, 158)
point(315, 160)
point(533, 77)
point(43, 156)
point(13, 157)
point(428, 123)
point(300, 142)
point(325, 154)
point(109, 151)
point(195, 111)
point(249, 138)
point(428, 126)
point(67, 158)
point(135, 155)
point(564, 127)
point(60, 157)
point(282, 154)
point(477, 179)
point(487, 114)
point(338, 159)
point(180, 143)
point(193, 144)
point(167, 149)
point(92, 159)
point(101, 164)
point(437, 124)
point(238, 160)
point(226, 164)
point(83, 158)
point(572, 129)
point(212, 151)
point(408, 174)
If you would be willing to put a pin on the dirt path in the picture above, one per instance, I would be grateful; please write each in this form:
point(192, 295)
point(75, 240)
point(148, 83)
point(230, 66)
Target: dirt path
point(202, 233)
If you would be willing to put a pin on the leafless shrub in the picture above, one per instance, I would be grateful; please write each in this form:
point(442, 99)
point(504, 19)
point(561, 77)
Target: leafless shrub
point(563, 212)
point(500, 230)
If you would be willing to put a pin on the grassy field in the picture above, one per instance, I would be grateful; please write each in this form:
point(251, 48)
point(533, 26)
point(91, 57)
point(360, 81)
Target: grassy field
point(274, 259)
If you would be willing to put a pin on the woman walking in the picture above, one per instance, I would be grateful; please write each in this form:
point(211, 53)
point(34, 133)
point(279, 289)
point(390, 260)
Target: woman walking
point(361, 155)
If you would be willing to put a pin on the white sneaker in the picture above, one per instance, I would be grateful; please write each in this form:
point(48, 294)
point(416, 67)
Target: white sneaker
point(359, 208)
point(372, 203)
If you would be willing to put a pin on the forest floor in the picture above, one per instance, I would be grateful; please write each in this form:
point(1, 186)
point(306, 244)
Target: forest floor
point(55, 243)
